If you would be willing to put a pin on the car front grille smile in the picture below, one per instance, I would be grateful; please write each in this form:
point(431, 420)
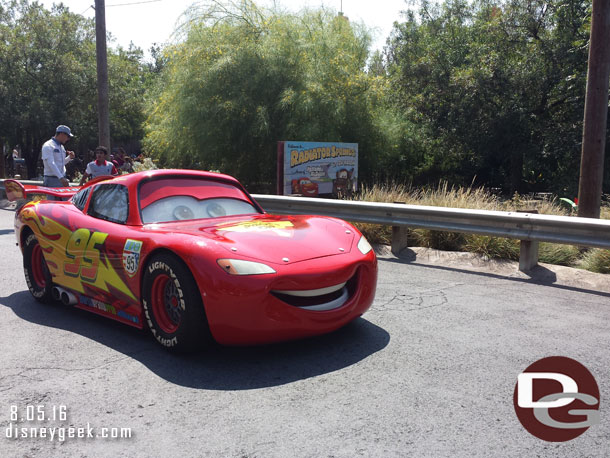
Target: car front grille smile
point(321, 299)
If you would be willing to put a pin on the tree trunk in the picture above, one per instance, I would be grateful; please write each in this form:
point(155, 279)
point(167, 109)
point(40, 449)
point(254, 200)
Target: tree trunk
point(30, 154)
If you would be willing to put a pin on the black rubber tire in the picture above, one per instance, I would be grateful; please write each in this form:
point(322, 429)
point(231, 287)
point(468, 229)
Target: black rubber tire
point(41, 288)
point(183, 326)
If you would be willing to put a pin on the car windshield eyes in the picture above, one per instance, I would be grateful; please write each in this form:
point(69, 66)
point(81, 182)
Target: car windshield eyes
point(181, 208)
point(215, 210)
point(182, 212)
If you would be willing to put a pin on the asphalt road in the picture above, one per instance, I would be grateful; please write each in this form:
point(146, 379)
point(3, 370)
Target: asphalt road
point(429, 371)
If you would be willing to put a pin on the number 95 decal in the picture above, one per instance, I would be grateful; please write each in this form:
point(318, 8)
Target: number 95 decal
point(83, 254)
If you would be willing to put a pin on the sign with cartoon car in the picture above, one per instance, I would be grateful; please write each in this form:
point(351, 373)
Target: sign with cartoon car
point(192, 256)
point(323, 167)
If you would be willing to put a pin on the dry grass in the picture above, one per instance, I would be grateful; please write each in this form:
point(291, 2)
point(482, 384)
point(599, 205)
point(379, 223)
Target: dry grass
point(562, 255)
point(479, 199)
point(492, 247)
point(596, 260)
point(442, 196)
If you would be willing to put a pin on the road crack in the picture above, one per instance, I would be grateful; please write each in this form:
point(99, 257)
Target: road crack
point(409, 303)
point(30, 373)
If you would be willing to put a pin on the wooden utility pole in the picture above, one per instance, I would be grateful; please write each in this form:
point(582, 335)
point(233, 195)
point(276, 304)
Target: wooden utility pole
point(103, 116)
point(596, 113)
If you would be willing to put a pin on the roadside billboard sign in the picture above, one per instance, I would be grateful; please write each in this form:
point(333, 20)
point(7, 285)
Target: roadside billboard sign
point(314, 168)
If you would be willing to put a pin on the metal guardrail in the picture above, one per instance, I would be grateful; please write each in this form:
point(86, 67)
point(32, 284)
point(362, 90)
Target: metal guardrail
point(529, 228)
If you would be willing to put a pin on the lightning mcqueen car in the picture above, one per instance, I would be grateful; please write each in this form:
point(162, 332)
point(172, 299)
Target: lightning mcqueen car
point(191, 255)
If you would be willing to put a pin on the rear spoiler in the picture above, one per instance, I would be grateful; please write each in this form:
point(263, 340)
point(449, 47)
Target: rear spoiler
point(18, 191)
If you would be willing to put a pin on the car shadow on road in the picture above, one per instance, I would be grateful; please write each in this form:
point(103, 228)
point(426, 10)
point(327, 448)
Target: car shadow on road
point(216, 367)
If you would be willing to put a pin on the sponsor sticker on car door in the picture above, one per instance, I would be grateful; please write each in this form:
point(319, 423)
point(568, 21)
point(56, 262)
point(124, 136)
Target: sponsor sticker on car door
point(131, 256)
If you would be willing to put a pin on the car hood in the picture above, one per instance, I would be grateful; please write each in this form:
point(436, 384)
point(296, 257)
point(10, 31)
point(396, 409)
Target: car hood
point(272, 238)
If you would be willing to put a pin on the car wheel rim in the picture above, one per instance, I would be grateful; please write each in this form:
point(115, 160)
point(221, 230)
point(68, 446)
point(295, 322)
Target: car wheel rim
point(38, 266)
point(166, 304)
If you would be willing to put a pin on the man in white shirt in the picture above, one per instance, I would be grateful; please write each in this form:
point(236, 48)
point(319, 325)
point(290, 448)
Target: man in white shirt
point(54, 158)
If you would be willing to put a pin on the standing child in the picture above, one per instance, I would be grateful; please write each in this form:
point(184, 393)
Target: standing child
point(100, 166)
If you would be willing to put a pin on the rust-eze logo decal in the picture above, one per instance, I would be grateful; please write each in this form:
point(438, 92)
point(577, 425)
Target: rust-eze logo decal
point(281, 228)
point(557, 399)
point(131, 256)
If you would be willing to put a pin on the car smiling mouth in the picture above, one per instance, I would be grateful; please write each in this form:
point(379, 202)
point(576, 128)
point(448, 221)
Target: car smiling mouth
point(320, 300)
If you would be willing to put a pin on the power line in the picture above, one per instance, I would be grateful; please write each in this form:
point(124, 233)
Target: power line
point(134, 3)
point(122, 4)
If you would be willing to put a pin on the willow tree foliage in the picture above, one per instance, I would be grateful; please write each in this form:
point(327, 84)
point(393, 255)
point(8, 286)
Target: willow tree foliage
point(244, 78)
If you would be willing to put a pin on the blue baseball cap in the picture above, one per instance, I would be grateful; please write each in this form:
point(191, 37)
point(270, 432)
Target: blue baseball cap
point(64, 130)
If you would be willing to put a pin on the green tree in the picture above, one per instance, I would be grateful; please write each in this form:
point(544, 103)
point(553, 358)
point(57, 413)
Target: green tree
point(499, 86)
point(39, 48)
point(245, 78)
point(48, 77)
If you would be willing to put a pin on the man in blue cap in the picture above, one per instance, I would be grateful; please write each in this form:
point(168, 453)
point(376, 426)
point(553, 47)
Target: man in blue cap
point(55, 158)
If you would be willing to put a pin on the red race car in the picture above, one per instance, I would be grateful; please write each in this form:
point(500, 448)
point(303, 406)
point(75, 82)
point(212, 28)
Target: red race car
point(191, 255)
point(305, 186)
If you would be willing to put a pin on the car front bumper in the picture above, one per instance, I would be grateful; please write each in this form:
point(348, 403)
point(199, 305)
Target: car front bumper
point(243, 310)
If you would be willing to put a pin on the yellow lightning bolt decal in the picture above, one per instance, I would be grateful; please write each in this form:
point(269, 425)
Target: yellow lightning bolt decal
point(74, 258)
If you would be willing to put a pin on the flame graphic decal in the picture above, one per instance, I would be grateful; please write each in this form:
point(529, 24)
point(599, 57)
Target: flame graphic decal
point(77, 260)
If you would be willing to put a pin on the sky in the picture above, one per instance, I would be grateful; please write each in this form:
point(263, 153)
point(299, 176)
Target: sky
point(145, 22)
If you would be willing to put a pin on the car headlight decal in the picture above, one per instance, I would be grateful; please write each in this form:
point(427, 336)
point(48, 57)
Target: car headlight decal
point(364, 246)
point(242, 267)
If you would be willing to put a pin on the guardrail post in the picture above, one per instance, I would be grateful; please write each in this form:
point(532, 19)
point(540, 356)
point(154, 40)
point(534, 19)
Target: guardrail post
point(528, 250)
point(528, 255)
point(399, 239)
